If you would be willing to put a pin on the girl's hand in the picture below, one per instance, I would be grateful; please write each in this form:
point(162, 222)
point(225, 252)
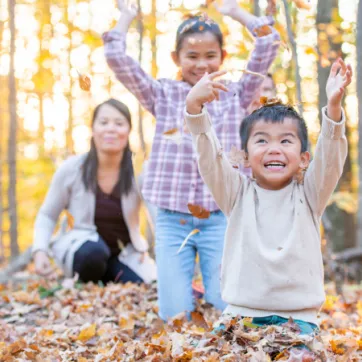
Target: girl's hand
point(43, 266)
point(339, 78)
point(127, 9)
point(205, 90)
point(227, 8)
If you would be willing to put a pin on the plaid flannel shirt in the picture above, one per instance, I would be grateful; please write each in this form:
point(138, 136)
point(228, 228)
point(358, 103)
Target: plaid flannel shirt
point(172, 179)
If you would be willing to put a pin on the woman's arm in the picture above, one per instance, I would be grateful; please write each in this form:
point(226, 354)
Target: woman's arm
point(127, 70)
point(55, 202)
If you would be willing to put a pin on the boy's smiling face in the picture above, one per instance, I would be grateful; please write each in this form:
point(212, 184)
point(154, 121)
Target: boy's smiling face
point(274, 153)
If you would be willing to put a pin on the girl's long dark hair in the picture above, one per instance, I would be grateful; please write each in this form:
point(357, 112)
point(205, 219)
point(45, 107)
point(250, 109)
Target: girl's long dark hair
point(90, 166)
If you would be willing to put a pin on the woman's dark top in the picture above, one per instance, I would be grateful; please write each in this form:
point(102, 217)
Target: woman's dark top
point(109, 219)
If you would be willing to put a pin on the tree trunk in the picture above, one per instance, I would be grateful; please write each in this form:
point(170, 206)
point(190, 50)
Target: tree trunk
point(293, 44)
point(344, 224)
point(140, 43)
point(2, 157)
point(359, 97)
point(153, 33)
point(14, 247)
point(256, 8)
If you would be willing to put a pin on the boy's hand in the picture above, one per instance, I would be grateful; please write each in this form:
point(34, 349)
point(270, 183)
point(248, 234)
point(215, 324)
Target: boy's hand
point(339, 78)
point(127, 10)
point(205, 90)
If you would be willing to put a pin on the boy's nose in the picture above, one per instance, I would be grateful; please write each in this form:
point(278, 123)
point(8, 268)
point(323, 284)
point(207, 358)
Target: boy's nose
point(274, 150)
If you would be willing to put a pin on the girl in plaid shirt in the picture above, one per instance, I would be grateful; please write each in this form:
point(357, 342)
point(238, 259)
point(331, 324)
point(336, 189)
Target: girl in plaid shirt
point(172, 181)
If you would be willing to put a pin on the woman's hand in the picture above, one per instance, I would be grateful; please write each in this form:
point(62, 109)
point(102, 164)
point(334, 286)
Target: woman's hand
point(205, 90)
point(340, 77)
point(43, 265)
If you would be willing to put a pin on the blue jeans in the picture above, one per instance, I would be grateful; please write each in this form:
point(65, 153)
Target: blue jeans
point(305, 327)
point(175, 271)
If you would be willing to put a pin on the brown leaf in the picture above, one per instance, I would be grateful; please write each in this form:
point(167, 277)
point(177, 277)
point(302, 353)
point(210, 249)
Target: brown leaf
point(199, 320)
point(198, 211)
point(183, 221)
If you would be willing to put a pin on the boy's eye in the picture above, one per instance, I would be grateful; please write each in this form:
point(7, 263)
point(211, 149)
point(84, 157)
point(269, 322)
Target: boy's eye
point(286, 141)
point(261, 140)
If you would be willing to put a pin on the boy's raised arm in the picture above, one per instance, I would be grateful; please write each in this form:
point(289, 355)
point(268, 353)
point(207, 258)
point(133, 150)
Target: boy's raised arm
point(127, 70)
point(330, 154)
point(223, 181)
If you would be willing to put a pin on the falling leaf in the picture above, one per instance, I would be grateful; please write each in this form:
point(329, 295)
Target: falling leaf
point(263, 31)
point(311, 51)
point(198, 211)
point(87, 333)
point(183, 221)
point(247, 71)
point(301, 4)
point(193, 232)
point(173, 135)
point(84, 82)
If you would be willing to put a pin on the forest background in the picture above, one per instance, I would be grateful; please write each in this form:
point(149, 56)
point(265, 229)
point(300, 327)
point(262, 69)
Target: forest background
point(45, 115)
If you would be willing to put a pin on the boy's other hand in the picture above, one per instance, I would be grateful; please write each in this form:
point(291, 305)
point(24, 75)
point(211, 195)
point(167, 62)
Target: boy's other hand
point(339, 78)
point(205, 90)
point(127, 9)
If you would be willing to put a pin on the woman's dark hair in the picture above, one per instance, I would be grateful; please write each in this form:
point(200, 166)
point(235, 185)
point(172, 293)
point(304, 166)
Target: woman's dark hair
point(195, 25)
point(275, 114)
point(90, 166)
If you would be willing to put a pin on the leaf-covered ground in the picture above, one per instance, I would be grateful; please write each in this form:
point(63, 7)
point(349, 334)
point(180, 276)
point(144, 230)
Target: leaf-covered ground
point(75, 322)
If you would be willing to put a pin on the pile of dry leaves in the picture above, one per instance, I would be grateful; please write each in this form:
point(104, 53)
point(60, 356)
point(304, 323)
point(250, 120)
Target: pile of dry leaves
point(75, 322)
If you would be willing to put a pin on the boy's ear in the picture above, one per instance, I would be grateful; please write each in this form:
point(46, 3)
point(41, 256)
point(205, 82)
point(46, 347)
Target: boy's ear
point(305, 159)
point(246, 162)
point(175, 58)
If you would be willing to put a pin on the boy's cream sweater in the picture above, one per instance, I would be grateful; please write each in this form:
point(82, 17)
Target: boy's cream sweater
point(272, 262)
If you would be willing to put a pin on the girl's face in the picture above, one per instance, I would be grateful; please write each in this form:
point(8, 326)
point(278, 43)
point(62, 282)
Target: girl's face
point(110, 130)
point(199, 53)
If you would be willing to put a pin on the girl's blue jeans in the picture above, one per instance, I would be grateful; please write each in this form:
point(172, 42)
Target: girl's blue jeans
point(175, 271)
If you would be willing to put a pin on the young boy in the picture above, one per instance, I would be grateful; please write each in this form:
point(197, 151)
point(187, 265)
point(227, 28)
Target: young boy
point(272, 265)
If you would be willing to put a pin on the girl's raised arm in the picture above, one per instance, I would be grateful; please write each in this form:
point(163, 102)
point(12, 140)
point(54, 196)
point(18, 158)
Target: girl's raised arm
point(267, 42)
point(127, 70)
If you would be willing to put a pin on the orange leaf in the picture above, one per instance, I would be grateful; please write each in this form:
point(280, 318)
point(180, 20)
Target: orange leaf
point(171, 131)
point(84, 82)
point(174, 135)
point(198, 211)
point(263, 31)
point(87, 333)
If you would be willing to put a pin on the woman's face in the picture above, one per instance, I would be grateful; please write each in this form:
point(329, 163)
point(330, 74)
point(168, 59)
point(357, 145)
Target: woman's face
point(110, 130)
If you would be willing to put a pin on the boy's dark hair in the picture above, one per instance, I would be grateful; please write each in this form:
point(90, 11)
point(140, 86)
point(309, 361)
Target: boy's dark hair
point(275, 114)
point(195, 25)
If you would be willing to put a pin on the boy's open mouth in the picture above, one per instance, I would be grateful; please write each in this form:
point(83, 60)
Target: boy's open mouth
point(274, 165)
